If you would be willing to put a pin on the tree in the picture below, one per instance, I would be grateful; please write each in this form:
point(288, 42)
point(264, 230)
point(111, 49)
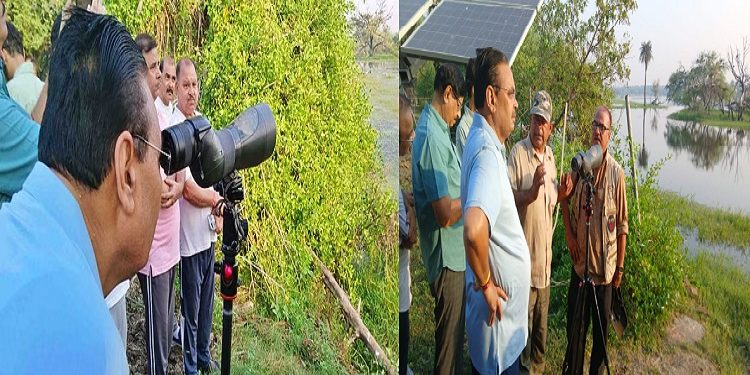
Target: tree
point(34, 18)
point(645, 57)
point(703, 87)
point(371, 29)
point(655, 91)
point(737, 61)
point(575, 59)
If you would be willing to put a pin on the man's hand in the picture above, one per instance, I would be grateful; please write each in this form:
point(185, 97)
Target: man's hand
point(411, 238)
point(538, 181)
point(219, 223)
point(492, 295)
point(409, 199)
point(617, 279)
point(174, 190)
point(565, 187)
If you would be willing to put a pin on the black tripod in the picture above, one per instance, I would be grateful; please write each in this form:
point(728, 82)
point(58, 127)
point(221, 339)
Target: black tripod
point(573, 363)
point(235, 232)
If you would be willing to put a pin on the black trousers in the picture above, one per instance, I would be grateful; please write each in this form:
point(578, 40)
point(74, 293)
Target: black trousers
point(604, 298)
point(403, 342)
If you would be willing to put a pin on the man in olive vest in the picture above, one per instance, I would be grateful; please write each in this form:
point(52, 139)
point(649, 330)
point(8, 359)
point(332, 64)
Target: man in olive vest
point(606, 240)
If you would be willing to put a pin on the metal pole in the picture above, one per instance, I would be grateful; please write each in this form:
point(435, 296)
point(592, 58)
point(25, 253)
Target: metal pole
point(562, 160)
point(632, 158)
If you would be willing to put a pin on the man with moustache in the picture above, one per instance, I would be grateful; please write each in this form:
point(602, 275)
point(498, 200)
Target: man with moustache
point(157, 276)
point(496, 250)
point(435, 178)
point(165, 101)
point(607, 235)
point(85, 217)
point(199, 225)
point(532, 173)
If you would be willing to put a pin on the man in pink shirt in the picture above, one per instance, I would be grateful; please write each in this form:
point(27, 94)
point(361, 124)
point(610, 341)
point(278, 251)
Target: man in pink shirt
point(157, 276)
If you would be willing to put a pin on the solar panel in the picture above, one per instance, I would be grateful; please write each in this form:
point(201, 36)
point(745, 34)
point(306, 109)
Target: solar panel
point(407, 9)
point(455, 29)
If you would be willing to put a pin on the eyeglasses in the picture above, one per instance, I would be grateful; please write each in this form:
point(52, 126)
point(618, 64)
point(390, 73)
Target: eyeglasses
point(596, 125)
point(511, 91)
point(160, 151)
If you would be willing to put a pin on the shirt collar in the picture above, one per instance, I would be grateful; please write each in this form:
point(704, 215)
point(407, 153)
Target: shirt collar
point(532, 151)
point(434, 119)
point(53, 196)
point(25, 68)
point(479, 119)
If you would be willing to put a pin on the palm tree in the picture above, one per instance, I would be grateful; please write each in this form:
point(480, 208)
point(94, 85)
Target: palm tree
point(645, 58)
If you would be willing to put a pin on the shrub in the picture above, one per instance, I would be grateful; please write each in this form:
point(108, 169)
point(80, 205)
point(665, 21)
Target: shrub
point(321, 191)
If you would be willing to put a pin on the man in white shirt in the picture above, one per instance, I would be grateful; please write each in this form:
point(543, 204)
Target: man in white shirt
point(198, 230)
point(23, 84)
point(165, 101)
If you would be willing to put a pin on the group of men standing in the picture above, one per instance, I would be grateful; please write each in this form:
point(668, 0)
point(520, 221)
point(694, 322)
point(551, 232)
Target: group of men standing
point(189, 217)
point(186, 231)
point(486, 222)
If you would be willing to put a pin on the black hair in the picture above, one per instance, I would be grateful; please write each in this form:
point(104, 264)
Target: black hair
point(55, 31)
point(97, 90)
point(403, 101)
point(470, 69)
point(145, 42)
point(161, 63)
point(449, 75)
point(14, 41)
point(486, 72)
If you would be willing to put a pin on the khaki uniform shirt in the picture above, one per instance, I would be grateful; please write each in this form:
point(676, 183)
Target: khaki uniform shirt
point(609, 220)
point(536, 217)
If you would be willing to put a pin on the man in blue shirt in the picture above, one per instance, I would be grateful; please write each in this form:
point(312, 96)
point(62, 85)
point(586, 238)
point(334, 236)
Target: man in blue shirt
point(436, 172)
point(85, 218)
point(498, 277)
point(19, 134)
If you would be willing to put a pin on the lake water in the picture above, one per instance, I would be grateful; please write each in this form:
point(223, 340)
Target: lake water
point(382, 88)
point(709, 164)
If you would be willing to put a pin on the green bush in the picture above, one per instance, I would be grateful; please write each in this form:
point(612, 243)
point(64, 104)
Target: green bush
point(321, 190)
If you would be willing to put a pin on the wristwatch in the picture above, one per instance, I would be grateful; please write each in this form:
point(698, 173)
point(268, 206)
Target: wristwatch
point(620, 269)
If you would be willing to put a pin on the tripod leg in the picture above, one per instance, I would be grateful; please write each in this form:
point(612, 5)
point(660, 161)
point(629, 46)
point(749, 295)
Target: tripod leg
point(601, 327)
point(226, 337)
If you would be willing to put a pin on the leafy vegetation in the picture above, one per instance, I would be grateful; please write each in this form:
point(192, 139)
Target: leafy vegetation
point(712, 117)
point(704, 86)
point(34, 18)
point(320, 192)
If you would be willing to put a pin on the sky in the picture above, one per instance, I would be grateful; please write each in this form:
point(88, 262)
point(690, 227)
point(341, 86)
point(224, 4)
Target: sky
point(679, 30)
point(371, 5)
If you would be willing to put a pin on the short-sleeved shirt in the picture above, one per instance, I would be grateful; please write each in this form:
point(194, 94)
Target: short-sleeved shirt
point(536, 217)
point(464, 124)
point(436, 173)
point(165, 248)
point(484, 184)
point(25, 87)
point(53, 319)
point(404, 276)
point(195, 234)
point(608, 221)
point(19, 140)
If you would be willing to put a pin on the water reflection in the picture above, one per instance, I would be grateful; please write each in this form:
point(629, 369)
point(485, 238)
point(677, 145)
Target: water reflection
point(708, 163)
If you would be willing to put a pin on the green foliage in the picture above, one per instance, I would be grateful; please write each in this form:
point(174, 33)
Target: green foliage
point(575, 59)
point(34, 18)
point(320, 192)
point(704, 86)
point(724, 303)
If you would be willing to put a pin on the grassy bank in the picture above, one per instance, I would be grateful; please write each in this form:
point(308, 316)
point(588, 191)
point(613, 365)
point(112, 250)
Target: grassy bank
point(618, 103)
point(716, 226)
point(723, 307)
point(712, 117)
